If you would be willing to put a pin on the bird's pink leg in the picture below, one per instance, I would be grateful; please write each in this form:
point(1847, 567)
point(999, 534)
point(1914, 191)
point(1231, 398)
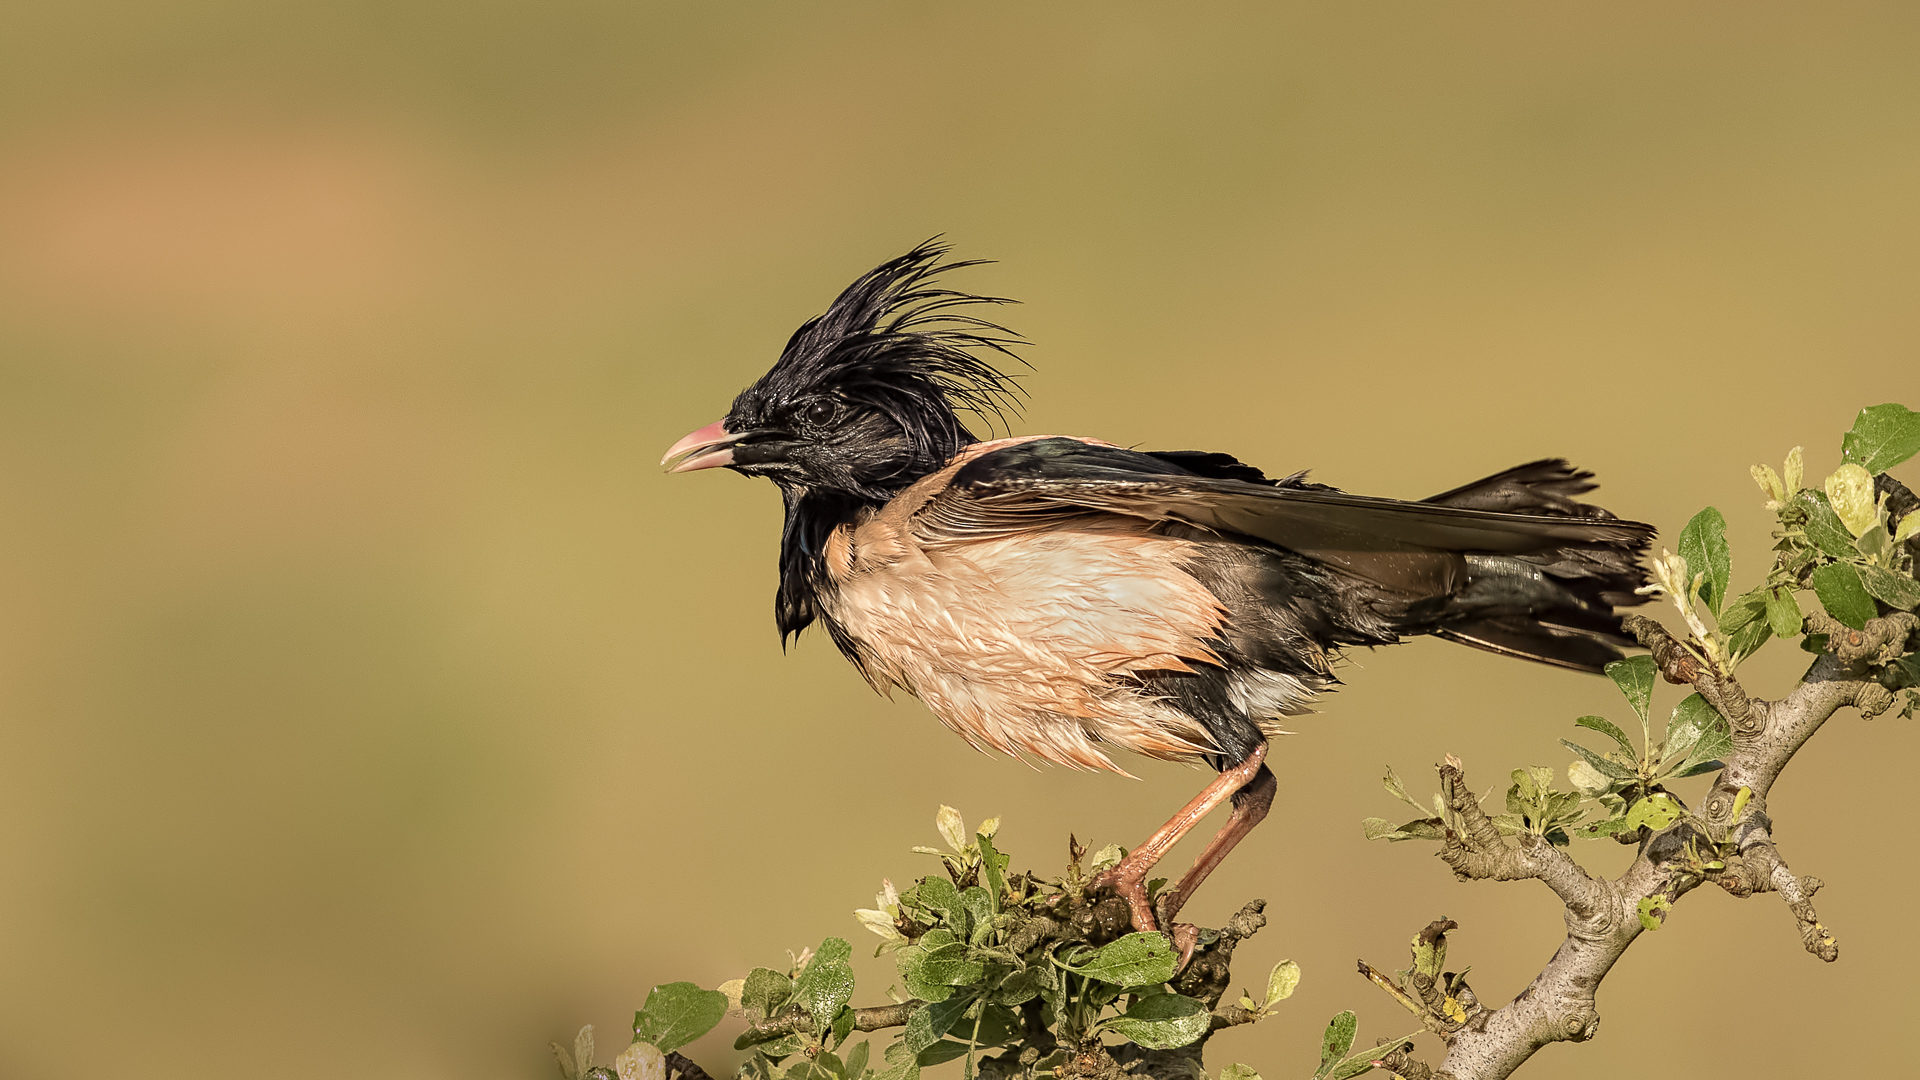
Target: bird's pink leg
point(1129, 878)
point(1249, 809)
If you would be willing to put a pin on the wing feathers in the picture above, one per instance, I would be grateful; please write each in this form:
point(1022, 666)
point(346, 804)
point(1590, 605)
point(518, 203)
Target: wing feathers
point(1069, 472)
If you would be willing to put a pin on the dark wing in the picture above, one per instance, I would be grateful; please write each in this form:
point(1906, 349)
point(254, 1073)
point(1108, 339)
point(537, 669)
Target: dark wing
point(1382, 540)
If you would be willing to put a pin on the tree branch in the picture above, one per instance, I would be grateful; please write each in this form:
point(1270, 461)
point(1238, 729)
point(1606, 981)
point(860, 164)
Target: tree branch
point(1605, 917)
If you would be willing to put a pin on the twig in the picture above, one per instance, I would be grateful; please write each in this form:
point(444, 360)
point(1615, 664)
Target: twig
point(1678, 665)
point(1428, 1018)
point(869, 1019)
point(678, 1064)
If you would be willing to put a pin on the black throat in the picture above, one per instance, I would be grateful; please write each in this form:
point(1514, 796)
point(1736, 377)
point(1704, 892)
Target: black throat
point(812, 515)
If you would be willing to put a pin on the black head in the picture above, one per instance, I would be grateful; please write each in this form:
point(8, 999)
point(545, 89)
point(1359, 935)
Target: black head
point(868, 397)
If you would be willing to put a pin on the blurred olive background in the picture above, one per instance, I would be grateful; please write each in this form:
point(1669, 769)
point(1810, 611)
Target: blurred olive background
point(374, 707)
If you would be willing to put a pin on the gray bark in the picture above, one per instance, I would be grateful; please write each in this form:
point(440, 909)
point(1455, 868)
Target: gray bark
point(1603, 916)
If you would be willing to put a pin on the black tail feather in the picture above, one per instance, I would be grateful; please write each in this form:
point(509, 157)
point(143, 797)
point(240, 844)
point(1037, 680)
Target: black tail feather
point(1557, 605)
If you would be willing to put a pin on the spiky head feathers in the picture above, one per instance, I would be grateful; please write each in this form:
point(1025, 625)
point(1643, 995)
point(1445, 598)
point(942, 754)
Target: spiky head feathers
point(876, 386)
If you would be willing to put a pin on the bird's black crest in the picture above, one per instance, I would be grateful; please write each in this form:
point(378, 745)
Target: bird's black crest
point(893, 341)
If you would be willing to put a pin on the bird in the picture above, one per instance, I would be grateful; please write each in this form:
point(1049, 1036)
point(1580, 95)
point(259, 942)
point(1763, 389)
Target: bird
point(1055, 598)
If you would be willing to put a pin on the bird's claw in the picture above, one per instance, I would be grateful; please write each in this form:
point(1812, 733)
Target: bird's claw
point(1130, 884)
point(1185, 938)
point(1131, 887)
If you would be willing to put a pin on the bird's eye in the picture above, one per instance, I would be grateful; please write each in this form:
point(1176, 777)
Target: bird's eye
point(820, 412)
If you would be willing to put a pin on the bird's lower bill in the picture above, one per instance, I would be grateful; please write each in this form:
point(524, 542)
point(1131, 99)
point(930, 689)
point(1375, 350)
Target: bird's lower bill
point(709, 448)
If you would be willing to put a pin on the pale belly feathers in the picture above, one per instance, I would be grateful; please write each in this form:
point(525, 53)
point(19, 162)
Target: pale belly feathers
point(1023, 642)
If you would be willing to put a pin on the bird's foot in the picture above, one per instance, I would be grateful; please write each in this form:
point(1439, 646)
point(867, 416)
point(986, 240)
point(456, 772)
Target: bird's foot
point(1128, 880)
point(1129, 883)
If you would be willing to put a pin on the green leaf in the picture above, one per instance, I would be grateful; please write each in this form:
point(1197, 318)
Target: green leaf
point(1335, 1043)
point(1024, 985)
point(582, 1054)
point(919, 1032)
point(1850, 493)
point(1655, 812)
point(1873, 543)
point(943, 1015)
point(1375, 827)
point(827, 984)
point(1138, 959)
point(1587, 780)
point(1841, 593)
point(639, 1060)
point(1542, 777)
point(1716, 741)
point(937, 895)
point(1703, 544)
point(1428, 959)
point(764, 992)
point(1599, 829)
point(1280, 982)
point(1783, 613)
point(952, 827)
point(950, 964)
point(1690, 721)
point(1897, 591)
point(1634, 677)
point(1511, 823)
point(979, 905)
point(1747, 640)
point(857, 1061)
point(1905, 671)
point(931, 967)
point(833, 950)
point(1824, 528)
point(1606, 727)
point(1747, 608)
point(1237, 1071)
point(773, 1046)
point(1908, 528)
point(1611, 769)
point(1883, 436)
point(1522, 795)
point(1421, 829)
point(1397, 789)
point(678, 1013)
point(1162, 1022)
point(841, 1027)
point(900, 1063)
point(823, 1066)
point(1106, 858)
point(1653, 911)
point(998, 1026)
point(993, 870)
point(940, 1053)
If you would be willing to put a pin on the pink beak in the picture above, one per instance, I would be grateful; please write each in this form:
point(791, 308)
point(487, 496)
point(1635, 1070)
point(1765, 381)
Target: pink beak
point(708, 448)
